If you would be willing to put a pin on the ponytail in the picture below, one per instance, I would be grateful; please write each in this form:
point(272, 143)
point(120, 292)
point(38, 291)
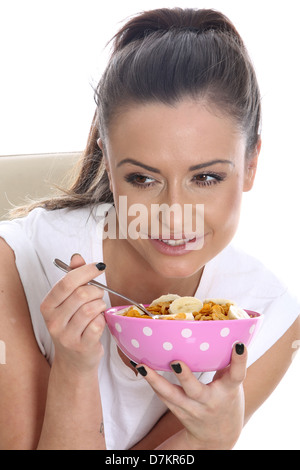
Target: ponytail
point(164, 19)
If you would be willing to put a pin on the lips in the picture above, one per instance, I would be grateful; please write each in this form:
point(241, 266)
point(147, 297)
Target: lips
point(173, 247)
point(174, 236)
point(177, 242)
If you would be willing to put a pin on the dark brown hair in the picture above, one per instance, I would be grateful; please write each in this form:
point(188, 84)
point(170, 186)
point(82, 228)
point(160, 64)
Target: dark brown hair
point(163, 56)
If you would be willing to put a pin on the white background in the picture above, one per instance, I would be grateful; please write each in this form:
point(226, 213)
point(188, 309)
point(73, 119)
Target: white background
point(52, 51)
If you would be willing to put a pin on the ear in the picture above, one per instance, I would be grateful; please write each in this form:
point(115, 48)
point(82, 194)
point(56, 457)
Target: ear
point(250, 168)
point(106, 162)
point(101, 146)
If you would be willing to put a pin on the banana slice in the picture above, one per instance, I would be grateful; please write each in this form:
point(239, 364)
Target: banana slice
point(165, 298)
point(237, 313)
point(219, 301)
point(185, 305)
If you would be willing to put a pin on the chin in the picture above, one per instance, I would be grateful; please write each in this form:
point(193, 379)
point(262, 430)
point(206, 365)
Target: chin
point(170, 266)
point(176, 268)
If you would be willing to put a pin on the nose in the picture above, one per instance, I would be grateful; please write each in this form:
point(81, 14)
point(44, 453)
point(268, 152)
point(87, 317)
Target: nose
point(174, 213)
point(171, 220)
point(172, 210)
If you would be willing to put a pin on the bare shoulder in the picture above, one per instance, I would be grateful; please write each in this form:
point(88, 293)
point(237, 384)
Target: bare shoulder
point(266, 373)
point(24, 372)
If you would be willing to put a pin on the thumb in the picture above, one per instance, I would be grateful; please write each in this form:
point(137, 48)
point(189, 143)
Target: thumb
point(76, 261)
point(234, 374)
point(238, 367)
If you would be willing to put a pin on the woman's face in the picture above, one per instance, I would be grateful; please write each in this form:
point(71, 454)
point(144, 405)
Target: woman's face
point(186, 155)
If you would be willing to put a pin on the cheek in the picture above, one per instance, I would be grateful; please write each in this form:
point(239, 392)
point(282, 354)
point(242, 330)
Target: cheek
point(133, 214)
point(115, 184)
point(223, 213)
point(130, 202)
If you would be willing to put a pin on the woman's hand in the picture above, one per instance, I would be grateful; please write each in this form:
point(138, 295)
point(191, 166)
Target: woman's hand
point(213, 414)
point(73, 314)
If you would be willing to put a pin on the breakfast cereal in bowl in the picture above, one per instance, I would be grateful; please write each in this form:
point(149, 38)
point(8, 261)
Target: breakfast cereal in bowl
point(200, 333)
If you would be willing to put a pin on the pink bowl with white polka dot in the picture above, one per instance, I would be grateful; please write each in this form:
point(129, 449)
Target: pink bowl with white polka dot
point(202, 345)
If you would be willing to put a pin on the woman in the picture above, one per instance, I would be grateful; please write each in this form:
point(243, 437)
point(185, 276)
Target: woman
point(177, 122)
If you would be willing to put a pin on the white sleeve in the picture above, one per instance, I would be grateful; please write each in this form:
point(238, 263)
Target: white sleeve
point(279, 315)
point(33, 278)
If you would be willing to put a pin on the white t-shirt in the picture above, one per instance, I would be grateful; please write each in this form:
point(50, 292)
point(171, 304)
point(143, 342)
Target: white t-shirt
point(130, 407)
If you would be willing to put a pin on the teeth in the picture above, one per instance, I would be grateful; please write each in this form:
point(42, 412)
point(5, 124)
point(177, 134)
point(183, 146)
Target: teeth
point(177, 242)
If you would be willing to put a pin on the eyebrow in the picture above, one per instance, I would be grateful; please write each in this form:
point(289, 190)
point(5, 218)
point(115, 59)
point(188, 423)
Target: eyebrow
point(212, 162)
point(155, 170)
point(135, 162)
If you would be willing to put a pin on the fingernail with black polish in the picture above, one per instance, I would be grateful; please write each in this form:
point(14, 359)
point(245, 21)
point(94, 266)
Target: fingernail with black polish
point(239, 348)
point(142, 371)
point(134, 364)
point(101, 266)
point(177, 368)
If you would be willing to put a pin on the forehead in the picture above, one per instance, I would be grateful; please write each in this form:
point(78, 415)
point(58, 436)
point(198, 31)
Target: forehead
point(189, 128)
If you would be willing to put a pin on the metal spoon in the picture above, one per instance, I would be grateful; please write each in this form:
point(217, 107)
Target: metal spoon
point(64, 267)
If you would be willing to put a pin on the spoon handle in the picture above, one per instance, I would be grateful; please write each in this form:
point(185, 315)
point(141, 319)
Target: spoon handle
point(64, 267)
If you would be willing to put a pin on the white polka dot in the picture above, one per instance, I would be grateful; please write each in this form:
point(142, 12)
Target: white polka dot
point(135, 343)
point(204, 346)
point(252, 329)
point(186, 333)
point(147, 331)
point(168, 346)
point(225, 332)
point(118, 327)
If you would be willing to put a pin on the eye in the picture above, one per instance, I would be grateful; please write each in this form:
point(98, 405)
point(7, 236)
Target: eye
point(208, 179)
point(139, 180)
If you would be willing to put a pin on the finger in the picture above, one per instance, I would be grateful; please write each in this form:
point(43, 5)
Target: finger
point(161, 386)
point(93, 331)
point(236, 372)
point(83, 295)
point(190, 384)
point(76, 261)
point(74, 279)
point(81, 320)
point(175, 396)
point(58, 318)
